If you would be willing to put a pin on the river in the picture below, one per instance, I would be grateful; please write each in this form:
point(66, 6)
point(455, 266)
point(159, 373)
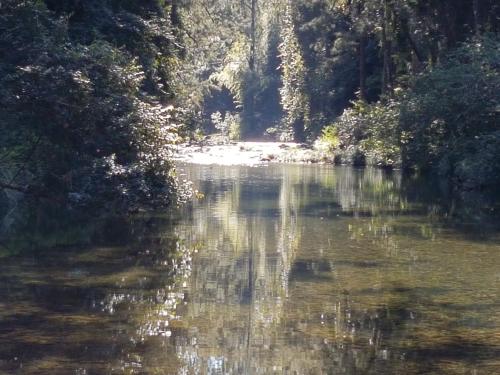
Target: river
point(285, 269)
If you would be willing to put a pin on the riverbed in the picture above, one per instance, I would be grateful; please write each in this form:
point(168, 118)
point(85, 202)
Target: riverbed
point(285, 269)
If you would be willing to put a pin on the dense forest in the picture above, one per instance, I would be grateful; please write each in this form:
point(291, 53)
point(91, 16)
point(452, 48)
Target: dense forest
point(149, 223)
point(393, 83)
point(95, 94)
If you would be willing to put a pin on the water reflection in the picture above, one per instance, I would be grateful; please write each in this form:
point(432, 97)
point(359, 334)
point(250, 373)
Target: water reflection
point(102, 308)
point(279, 269)
point(313, 270)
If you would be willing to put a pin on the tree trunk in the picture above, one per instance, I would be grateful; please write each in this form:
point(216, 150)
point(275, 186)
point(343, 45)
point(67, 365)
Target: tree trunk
point(362, 66)
point(386, 52)
point(253, 35)
point(249, 101)
point(298, 130)
point(447, 24)
point(416, 56)
point(35, 191)
point(477, 22)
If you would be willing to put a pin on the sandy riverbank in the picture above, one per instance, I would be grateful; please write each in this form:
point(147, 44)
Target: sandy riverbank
point(249, 153)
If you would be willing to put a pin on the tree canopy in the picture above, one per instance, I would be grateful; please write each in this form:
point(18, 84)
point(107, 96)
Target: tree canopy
point(87, 100)
point(396, 81)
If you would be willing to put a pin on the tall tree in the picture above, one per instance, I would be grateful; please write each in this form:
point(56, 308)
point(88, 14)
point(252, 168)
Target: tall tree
point(294, 98)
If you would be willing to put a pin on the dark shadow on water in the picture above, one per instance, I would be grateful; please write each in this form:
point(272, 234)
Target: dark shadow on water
point(388, 340)
point(428, 291)
point(360, 264)
point(311, 270)
point(84, 301)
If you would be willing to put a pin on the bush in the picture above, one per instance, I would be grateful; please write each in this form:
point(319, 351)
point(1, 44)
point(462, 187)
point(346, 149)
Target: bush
point(368, 133)
point(77, 120)
point(228, 125)
point(450, 117)
point(382, 142)
point(330, 137)
point(447, 120)
point(476, 162)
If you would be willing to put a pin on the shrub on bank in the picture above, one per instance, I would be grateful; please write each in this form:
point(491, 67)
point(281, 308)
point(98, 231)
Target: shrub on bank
point(447, 120)
point(366, 134)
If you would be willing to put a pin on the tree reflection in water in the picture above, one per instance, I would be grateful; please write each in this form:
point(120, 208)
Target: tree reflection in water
point(314, 270)
point(279, 269)
point(101, 302)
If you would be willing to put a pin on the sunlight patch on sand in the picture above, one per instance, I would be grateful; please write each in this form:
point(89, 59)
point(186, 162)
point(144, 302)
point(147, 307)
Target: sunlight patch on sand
point(238, 153)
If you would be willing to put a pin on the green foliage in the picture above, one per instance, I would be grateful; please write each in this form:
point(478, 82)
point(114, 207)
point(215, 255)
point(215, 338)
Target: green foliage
point(330, 137)
point(234, 121)
point(84, 119)
point(369, 133)
point(476, 162)
point(280, 132)
point(224, 52)
point(216, 43)
point(228, 125)
point(382, 143)
point(452, 110)
point(232, 75)
point(294, 98)
point(447, 120)
point(329, 49)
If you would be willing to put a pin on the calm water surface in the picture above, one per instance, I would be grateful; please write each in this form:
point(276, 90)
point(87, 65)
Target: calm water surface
point(279, 269)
